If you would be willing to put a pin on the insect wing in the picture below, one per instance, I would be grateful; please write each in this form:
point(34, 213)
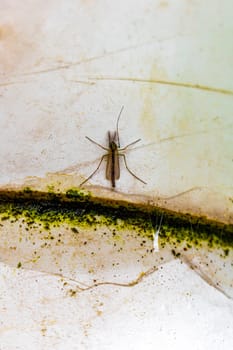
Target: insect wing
point(113, 167)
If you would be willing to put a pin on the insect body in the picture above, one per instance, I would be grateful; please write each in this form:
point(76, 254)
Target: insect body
point(113, 165)
point(112, 156)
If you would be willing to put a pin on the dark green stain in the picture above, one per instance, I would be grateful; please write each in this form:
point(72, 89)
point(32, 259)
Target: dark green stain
point(78, 209)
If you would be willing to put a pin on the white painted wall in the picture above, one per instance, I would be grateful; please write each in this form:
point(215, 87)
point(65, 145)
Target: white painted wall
point(66, 68)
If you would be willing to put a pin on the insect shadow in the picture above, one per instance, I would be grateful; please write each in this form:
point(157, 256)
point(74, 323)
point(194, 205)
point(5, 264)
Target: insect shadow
point(112, 156)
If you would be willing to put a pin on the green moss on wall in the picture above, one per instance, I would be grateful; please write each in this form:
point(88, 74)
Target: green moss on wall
point(78, 209)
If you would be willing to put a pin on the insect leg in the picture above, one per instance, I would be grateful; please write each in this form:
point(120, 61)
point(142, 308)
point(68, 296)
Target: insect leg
point(138, 178)
point(130, 144)
point(96, 143)
point(89, 177)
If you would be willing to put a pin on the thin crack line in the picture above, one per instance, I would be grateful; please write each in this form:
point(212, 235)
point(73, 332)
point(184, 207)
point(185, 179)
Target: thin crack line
point(133, 283)
point(165, 82)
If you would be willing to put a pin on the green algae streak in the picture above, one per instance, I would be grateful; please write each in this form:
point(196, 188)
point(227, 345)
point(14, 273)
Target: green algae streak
point(77, 208)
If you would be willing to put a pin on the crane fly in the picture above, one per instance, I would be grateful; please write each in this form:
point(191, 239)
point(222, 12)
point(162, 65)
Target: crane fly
point(112, 156)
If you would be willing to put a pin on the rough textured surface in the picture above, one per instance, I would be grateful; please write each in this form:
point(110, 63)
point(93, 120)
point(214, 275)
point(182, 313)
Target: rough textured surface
point(171, 308)
point(66, 69)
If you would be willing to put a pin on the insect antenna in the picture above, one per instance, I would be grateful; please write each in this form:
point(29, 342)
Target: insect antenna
point(117, 126)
